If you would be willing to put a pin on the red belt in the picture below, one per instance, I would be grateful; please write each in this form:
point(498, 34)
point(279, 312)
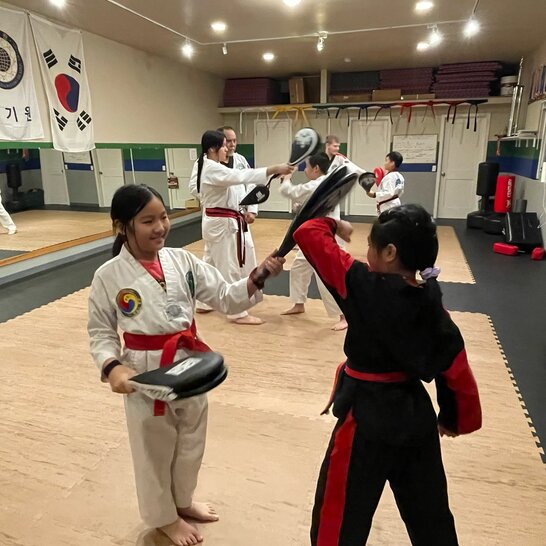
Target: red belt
point(387, 377)
point(168, 344)
point(242, 226)
point(386, 201)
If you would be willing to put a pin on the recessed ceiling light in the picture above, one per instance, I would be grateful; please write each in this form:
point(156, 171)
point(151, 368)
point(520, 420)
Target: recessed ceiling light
point(435, 37)
point(218, 26)
point(268, 57)
point(423, 46)
point(187, 49)
point(58, 3)
point(423, 6)
point(291, 3)
point(471, 28)
point(347, 59)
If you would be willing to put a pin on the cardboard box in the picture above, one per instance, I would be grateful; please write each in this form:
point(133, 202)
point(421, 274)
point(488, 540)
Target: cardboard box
point(380, 95)
point(192, 203)
point(419, 96)
point(350, 97)
point(297, 90)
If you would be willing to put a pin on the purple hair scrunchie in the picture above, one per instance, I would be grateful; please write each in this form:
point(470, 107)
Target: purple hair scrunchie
point(429, 273)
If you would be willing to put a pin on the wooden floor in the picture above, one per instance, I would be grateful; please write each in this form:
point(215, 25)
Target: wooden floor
point(65, 469)
point(268, 235)
point(40, 228)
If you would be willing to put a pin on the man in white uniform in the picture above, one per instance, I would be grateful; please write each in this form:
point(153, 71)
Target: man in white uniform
point(301, 270)
point(5, 219)
point(331, 148)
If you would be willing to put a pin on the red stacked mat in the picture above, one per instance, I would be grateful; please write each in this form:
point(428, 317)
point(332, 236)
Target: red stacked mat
point(466, 80)
point(409, 80)
point(251, 92)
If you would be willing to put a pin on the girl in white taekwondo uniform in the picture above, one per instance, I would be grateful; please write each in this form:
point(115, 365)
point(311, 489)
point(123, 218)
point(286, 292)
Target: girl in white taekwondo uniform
point(149, 292)
point(301, 270)
point(224, 224)
point(235, 195)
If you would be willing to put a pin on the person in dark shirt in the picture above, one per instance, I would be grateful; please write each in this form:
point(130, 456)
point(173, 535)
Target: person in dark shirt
point(399, 335)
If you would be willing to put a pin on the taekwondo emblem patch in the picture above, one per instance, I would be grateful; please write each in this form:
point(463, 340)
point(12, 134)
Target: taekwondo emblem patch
point(12, 68)
point(191, 283)
point(129, 302)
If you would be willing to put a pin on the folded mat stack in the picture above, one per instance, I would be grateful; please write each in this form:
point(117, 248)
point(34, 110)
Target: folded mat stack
point(466, 80)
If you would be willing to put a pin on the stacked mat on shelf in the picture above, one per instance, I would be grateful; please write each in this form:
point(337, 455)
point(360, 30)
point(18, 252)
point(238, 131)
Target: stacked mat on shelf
point(463, 80)
point(412, 81)
point(354, 82)
point(251, 92)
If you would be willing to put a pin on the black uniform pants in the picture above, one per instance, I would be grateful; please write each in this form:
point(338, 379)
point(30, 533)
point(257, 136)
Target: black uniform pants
point(352, 479)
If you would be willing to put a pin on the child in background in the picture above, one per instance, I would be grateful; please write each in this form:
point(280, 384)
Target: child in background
point(301, 272)
point(391, 186)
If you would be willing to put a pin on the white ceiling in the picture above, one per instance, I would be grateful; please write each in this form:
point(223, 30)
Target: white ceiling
point(510, 29)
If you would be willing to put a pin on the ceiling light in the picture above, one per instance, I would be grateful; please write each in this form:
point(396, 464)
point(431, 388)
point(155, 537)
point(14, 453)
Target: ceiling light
point(291, 3)
point(435, 37)
point(347, 59)
point(224, 49)
point(471, 28)
point(187, 49)
point(58, 3)
point(423, 46)
point(424, 6)
point(268, 57)
point(218, 26)
point(321, 41)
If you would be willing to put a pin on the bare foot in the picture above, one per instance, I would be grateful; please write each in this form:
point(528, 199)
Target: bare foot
point(295, 310)
point(249, 319)
point(182, 533)
point(200, 511)
point(203, 310)
point(341, 325)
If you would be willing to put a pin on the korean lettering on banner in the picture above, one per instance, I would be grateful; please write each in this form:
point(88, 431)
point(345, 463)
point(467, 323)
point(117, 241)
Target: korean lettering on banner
point(19, 114)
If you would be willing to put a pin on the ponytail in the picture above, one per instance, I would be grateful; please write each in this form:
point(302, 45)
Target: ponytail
point(210, 140)
point(200, 162)
point(118, 244)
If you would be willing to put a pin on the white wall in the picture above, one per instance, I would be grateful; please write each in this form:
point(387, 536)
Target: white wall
point(141, 98)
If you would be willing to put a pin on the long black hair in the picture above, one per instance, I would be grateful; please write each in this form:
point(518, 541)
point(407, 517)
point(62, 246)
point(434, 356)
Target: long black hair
point(411, 229)
point(210, 140)
point(127, 202)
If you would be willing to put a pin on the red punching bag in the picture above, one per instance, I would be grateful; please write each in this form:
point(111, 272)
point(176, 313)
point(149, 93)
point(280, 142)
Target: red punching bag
point(504, 193)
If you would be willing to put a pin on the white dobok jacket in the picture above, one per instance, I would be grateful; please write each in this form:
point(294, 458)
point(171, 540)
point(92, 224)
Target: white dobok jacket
point(124, 295)
point(223, 187)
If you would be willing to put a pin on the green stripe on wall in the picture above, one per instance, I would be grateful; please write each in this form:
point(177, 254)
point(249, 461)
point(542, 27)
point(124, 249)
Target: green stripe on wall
point(515, 148)
point(13, 145)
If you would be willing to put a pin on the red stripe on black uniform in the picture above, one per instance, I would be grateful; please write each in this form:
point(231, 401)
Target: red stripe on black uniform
point(388, 431)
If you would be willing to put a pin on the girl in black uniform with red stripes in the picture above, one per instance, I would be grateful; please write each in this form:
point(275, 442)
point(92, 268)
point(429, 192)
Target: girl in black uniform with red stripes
point(399, 335)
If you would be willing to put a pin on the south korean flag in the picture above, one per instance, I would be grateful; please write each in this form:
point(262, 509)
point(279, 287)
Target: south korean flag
point(60, 51)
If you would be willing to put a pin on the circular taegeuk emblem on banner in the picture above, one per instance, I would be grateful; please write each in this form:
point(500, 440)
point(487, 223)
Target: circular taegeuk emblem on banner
point(11, 62)
point(129, 302)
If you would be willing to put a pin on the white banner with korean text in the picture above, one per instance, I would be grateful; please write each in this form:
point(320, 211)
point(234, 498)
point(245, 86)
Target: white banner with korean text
point(19, 114)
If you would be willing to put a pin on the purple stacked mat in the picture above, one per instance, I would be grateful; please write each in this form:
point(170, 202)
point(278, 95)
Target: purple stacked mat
point(409, 80)
point(466, 80)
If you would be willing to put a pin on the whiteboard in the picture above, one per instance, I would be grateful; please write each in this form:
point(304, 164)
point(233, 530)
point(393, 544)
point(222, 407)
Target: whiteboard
point(83, 158)
point(416, 148)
